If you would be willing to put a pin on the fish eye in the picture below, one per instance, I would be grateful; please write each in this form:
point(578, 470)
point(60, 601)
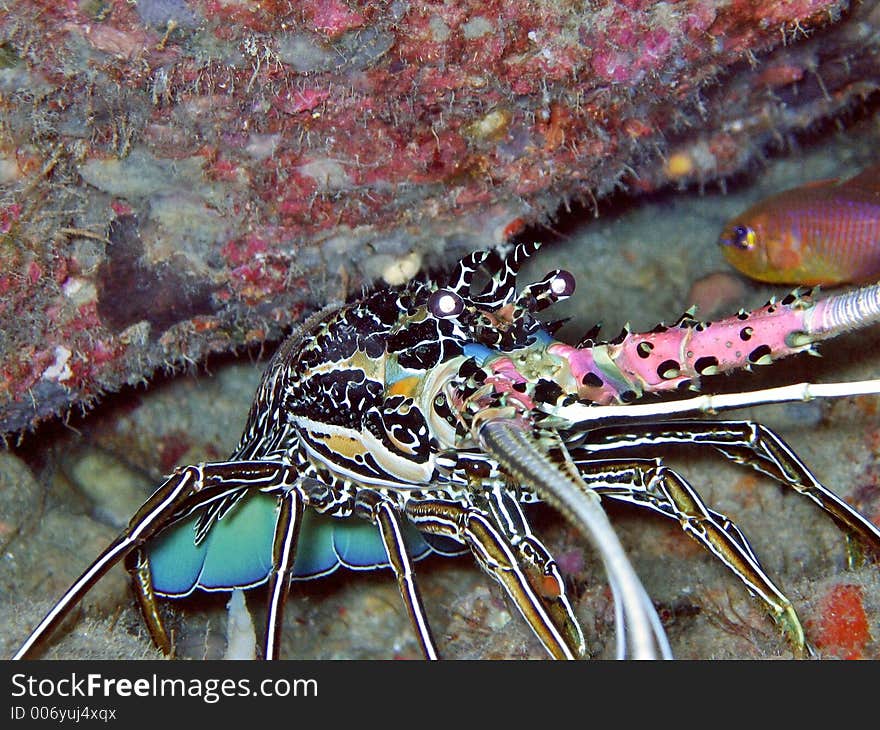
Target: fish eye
point(445, 303)
point(743, 237)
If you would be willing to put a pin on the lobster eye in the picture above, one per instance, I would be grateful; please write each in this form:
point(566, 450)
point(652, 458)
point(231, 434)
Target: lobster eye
point(563, 284)
point(743, 237)
point(445, 303)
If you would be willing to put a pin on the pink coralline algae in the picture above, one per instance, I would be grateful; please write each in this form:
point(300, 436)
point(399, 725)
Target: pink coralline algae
point(184, 177)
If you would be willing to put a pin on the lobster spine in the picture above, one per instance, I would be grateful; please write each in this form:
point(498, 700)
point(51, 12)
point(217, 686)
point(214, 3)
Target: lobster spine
point(671, 357)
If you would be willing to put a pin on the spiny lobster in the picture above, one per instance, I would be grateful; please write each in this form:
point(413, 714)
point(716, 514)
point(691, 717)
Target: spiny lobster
point(420, 419)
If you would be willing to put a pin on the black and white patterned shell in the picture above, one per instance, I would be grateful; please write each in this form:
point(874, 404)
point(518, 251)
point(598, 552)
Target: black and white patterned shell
point(360, 389)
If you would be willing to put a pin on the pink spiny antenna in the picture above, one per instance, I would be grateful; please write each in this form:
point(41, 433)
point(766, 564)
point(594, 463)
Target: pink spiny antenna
point(674, 357)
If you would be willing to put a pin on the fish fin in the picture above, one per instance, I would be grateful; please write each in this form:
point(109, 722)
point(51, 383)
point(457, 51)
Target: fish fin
point(868, 180)
point(823, 183)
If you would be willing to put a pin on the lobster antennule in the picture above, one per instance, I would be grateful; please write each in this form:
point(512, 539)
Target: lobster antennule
point(463, 273)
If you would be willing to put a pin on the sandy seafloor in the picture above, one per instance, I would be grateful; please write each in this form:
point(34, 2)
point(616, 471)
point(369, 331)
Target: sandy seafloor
point(65, 490)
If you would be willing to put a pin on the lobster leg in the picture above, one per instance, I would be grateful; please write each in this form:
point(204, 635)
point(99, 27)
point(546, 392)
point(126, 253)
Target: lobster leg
point(382, 512)
point(187, 488)
point(649, 483)
point(539, 565)
point(137, 563)
point(498, 558)
point(743, 442)
point(544, 464)
point(283, 554)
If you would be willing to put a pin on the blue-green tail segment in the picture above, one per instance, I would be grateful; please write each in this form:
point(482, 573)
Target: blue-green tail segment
point(237, 551)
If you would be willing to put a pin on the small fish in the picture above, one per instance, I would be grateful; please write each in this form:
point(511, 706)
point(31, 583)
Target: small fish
point(826, 232)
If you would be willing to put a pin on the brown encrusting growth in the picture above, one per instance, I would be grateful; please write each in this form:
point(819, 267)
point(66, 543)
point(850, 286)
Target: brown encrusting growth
point(179, 178)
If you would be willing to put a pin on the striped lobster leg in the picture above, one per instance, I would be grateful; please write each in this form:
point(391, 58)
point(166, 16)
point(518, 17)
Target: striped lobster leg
point(495, 554)
point(539, 566)
point(743, 442)
point(284, 543)
point(186, 489)
point(649, 484)
point(137, 563)
point(382, 512)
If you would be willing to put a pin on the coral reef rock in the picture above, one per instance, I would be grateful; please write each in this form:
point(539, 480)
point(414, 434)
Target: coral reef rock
point(185, 177)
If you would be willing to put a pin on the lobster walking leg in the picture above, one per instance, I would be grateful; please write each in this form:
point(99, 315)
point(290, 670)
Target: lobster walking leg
point(649, 483)
point(536, 561)
point(498, 558)
point(544, 464)
point(137, 563)
point(386, 517)
point(187, 488)
point(743, 442)
point(283, 554)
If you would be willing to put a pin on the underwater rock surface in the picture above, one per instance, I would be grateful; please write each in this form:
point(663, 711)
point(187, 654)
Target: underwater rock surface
point(61, 488)
point(182, 178)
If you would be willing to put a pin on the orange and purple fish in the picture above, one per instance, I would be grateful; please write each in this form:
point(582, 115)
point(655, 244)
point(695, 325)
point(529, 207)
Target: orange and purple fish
point(826, 232)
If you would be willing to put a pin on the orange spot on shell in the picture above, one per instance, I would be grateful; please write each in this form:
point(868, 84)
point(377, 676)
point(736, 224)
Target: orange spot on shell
point(405, 386)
